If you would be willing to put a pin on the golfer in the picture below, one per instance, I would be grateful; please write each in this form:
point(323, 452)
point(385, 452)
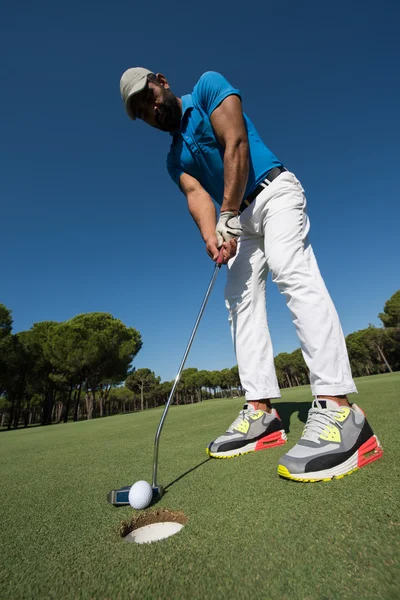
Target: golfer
point(216, 155)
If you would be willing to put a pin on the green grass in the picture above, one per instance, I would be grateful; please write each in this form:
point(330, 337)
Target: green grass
point(249, 534)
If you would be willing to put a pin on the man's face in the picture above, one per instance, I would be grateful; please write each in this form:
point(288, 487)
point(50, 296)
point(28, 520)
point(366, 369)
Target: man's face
point(157, 106)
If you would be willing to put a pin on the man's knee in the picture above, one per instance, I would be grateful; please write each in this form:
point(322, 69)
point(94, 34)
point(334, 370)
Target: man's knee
point(288, 267)
point(236, 301)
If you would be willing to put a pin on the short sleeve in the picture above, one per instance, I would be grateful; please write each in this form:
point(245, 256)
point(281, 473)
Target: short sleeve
point(174, 169)
point(211, 89)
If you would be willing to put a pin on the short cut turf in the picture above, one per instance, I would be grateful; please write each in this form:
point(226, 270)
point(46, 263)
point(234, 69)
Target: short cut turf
point(249, 533)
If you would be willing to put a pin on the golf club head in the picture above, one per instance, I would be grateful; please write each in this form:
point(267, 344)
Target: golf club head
point(119, 497)
point(158, 492)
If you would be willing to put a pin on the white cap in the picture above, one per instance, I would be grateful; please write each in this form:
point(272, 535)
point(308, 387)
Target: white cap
point(132, 82)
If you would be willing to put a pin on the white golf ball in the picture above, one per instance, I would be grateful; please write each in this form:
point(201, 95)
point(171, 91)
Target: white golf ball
point(140, 495)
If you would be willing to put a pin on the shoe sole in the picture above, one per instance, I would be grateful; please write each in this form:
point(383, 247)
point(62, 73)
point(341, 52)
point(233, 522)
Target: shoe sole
point(278, 438)
point(370, 451)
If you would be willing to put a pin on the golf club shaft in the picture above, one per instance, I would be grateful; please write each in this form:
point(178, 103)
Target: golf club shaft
point(171, 396)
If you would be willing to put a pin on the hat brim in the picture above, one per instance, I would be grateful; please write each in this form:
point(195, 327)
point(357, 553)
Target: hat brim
point(138, 87)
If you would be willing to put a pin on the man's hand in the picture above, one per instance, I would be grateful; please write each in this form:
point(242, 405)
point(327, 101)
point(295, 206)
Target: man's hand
point(228, 249)
point(228, 227)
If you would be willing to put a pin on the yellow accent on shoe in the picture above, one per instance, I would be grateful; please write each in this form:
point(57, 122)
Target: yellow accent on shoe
point(331, 434)
point(242, 427)
point(211, 455)
point(257, 415)
point(345, 410)
point(284, 472)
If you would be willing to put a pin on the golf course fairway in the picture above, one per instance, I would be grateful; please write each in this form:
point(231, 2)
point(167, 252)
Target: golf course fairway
point(249, 534)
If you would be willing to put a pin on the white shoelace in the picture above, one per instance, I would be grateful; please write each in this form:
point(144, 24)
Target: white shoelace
point(318, 419)
point(238, 420)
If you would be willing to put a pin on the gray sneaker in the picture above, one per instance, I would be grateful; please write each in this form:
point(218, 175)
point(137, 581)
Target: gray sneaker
point(336, 441)
point(252, 430)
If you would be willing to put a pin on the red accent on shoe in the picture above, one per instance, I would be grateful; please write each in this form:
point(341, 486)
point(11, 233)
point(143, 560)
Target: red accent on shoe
point(271, 440)
point(364, 452)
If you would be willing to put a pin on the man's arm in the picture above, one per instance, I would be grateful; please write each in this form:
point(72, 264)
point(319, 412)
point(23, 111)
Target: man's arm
point(229, 128)
point(202, 209)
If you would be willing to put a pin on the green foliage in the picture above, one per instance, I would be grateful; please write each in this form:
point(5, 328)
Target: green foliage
point(5, 321)
point(95, 346)
point(4, 404)
point(121, 400)
point(54, 360)
point(143, 381)
point(391, 312)
point(371, 350)
point(56, 371)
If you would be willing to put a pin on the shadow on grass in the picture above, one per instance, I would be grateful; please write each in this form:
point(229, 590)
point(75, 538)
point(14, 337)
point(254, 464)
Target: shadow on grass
point(286, 409)
point(203, 462)
point(124, 491)
point(2, 429)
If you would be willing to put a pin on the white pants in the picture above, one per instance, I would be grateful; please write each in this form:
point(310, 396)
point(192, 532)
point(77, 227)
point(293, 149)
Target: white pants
point(275, 228)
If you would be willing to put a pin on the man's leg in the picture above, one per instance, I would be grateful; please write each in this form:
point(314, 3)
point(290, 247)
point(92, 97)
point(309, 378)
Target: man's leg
point(245, 300)
point(337, 438)
point(258, 425)
point(294, 269)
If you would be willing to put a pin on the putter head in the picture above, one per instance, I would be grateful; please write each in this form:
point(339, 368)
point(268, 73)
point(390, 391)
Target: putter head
point(158, 492)
point(119, 497)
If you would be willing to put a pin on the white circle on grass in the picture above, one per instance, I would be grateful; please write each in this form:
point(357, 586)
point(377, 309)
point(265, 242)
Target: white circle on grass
point(153, 532)
point(140, 495)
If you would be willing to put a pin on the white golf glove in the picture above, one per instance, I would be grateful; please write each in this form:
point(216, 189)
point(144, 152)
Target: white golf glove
point(228, 227)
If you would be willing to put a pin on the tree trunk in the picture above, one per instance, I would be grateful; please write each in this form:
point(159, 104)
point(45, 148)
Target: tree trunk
point(288, 379)
point(296, 380)
point(45, 403)
point(77, 401)
point(17, 414)
point(27, 411)
point(94, 402)
point(384, 358)
point(49, 398)
point(68, 403)
point(141, 398)
point(89, 404)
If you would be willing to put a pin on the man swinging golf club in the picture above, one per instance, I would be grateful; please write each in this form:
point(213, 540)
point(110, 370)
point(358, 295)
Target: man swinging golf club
point(217, 155)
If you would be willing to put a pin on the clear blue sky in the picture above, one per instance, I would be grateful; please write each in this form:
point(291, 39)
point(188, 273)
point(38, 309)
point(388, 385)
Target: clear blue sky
point(90, 220)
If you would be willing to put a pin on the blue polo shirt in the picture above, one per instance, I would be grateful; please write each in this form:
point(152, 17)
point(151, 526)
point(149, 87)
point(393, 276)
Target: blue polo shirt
point(195, 149)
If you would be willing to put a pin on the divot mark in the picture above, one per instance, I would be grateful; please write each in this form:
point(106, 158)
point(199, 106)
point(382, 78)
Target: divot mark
point(152, 526)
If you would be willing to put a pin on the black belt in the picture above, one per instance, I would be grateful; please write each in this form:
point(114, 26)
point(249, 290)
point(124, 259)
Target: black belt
point(273, 174)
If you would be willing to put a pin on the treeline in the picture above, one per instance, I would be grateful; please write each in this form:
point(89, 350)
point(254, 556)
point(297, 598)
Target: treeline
point(81, 368)
point(60, 371)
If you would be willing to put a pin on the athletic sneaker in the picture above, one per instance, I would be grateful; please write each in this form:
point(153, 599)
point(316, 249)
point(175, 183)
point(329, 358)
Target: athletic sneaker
point(336, 441)
point(252, 430)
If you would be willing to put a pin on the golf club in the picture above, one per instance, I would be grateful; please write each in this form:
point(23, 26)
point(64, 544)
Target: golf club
point(120, 497)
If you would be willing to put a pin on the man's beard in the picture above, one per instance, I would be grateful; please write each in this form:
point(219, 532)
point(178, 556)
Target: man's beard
point(169, 115)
